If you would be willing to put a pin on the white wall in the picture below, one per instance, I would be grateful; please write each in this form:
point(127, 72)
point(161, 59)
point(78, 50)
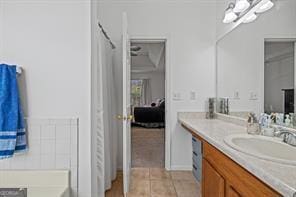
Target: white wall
point(241, 55)
point(190, 28)
point(157, 82)
point(51, 41)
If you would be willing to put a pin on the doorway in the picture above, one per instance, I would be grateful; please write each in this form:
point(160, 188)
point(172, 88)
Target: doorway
point(279, 76)
point(148, 103)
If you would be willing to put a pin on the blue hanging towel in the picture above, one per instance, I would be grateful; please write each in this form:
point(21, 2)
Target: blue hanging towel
point(12, 127)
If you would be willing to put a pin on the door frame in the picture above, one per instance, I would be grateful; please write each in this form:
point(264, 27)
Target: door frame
point(166, 40)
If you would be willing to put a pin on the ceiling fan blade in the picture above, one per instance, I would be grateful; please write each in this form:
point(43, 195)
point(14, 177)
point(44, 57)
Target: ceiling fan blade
point(136, 48)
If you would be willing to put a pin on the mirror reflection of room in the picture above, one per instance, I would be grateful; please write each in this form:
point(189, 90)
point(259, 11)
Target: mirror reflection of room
point(256, 68)
point(148, 103)
point(279, 76)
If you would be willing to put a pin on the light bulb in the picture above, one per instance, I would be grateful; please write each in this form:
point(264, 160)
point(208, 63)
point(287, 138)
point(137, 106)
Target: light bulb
point(230, 16)
point(250, 18)
point(241, 6)
point(266, 6)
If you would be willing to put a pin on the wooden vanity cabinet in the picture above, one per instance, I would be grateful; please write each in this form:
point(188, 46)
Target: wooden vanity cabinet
point(236, 180)
point(223, 177)
point(213, 184)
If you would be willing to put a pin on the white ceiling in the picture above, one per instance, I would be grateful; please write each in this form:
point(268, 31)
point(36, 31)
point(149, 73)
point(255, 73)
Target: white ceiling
point(151, 58)
point(278, 50)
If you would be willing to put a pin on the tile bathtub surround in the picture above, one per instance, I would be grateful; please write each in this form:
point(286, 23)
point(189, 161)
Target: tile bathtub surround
point(53, 145)
point(278, 176)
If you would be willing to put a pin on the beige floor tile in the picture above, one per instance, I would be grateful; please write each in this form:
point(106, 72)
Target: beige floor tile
point(182, 175)
point(116, 190)
point(136, 195)
point(187, 188)
point(117, 187)
point(140, 188)
point(162, 188)
point(159, 173)
point(140, 173)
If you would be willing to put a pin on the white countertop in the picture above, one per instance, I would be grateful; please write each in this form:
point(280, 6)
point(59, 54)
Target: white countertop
point(280, 177)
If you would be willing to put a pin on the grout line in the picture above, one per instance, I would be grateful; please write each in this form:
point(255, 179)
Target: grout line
point(150, 184)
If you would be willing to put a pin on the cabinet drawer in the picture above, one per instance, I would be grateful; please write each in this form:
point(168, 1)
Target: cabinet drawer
point(196, 172)
point(196, 145)
point(197, 159)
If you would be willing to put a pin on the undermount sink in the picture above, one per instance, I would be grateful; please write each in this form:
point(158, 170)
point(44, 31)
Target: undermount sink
point(268, 148)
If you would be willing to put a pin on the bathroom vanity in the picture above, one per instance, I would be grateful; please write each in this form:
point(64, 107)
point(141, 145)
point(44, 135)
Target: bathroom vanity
point(228, 172)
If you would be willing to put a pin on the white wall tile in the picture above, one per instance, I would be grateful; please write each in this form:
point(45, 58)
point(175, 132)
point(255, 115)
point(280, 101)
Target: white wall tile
point(17, 162)
point(47, 162)
point(74, 157)
point(63, 147)
point(34, 147)
point(74, 176)
point(62, 161)
point(47, 132)
point(5, 164)
point(74, 121)
point(33, 162)
point(63, 132)
point(48, 147)
point(34, 132)
point(74, 134)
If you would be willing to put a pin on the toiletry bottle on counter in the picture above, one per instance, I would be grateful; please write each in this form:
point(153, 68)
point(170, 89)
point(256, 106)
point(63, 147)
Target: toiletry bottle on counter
point(288, 120)
point(253, 125)
point(280, 118)
point(268, 130)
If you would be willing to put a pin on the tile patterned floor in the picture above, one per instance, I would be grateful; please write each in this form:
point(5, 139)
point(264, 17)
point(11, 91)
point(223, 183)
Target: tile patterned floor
point(157, 182)
point(147, 147)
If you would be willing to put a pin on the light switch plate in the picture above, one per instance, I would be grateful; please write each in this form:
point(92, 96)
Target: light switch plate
point(192, 95)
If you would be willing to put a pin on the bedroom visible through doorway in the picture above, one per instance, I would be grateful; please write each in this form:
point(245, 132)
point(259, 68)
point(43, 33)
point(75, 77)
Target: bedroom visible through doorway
point(148, 103)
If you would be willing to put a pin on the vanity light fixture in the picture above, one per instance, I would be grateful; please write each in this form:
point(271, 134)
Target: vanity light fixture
point(246, 10)
point(268, 5)
point(250, 18)
point(241, 6)
point(230, 16)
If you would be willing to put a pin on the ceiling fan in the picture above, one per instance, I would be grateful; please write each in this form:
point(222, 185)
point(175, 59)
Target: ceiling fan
point(135, 49)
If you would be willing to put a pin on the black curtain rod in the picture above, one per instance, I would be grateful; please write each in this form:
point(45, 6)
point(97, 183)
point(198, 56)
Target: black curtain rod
point(106, 35)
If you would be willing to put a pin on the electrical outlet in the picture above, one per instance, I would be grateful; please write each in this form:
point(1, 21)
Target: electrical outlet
point(253, 96)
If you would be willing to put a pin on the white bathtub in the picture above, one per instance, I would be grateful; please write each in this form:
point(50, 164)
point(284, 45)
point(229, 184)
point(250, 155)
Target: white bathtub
point(47, 183)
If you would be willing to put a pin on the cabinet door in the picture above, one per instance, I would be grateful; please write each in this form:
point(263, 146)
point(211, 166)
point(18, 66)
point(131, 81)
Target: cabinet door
point(231, 192)
point(213, 183)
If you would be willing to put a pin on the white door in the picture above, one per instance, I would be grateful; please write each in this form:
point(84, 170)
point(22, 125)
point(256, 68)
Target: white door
point(126, 114)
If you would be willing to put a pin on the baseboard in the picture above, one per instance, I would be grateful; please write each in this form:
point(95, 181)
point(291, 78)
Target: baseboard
point(183, 168)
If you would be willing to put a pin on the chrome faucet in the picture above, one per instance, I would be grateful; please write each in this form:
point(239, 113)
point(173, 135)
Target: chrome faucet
point(288, 137)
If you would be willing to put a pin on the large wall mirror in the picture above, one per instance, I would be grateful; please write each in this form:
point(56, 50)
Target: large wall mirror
point(256, 65)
